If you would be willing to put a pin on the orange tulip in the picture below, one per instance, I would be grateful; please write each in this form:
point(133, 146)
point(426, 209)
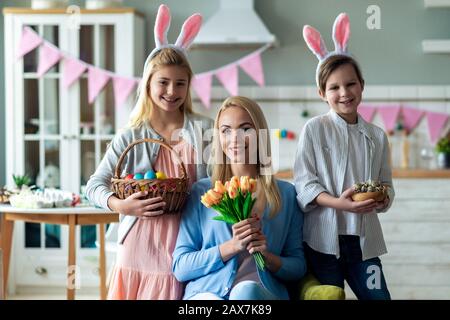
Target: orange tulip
point(245, 184)
point(252, 185)
point(206, 200)
point(215, 196)
point(219, 187)
point(232, 192)
point(234, 182)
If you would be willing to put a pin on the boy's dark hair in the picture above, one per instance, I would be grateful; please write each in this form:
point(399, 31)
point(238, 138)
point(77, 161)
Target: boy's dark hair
point(334, 62)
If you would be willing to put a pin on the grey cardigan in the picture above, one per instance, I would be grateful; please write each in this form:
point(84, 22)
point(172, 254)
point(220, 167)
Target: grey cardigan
point(140, 159)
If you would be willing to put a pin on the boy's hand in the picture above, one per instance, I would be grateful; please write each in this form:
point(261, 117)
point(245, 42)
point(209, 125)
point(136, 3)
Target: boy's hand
point(381, 205)
point(346, 203)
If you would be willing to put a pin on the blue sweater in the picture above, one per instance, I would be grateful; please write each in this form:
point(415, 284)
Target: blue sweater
point(197, 260)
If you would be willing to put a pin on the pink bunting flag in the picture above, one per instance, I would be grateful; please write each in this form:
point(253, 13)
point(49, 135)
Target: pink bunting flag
point(48, 57)
point(202, 86)
point(436, 122)
point(122, 89)
point(252, 65)
point(366, 112)
point(389, 116)
point(72, 70)
point(228, 76)
point(29, 41)
point(411, 118)
point(97, 80)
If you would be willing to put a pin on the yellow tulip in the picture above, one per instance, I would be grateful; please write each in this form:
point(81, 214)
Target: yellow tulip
point(219, 187)
point(245, 184)
point(252, 185)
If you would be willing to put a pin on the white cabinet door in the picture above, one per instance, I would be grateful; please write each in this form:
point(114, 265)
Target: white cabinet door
point(56, 136)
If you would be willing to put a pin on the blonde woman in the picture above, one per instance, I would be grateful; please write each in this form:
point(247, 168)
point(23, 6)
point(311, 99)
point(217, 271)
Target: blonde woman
point(146, 236)
point(215, 259)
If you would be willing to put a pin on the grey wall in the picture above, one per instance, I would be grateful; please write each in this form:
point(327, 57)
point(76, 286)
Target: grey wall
point(391, 55)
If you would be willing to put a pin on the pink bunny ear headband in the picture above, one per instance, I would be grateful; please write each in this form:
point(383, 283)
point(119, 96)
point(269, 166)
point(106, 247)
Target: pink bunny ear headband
point(189, 31)
point(341, 35)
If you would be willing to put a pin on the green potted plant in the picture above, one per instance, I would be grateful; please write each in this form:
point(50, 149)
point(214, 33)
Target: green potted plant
point(443, 151)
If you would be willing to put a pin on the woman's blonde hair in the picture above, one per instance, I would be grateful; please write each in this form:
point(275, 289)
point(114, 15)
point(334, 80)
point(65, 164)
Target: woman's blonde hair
point(144, 105)
point(221, 170)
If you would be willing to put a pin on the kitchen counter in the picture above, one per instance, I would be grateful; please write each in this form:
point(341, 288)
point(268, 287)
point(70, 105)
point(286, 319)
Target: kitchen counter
point(396, 173)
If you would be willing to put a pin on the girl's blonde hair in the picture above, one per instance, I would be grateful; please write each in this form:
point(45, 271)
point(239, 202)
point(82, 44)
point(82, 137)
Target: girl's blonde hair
point(221, 170)
point(144, 105)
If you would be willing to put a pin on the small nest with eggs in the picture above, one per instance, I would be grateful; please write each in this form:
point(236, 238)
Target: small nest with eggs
point(369, 190)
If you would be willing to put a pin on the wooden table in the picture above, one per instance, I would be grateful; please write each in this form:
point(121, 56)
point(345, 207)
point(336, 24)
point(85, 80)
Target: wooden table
point(72, 217)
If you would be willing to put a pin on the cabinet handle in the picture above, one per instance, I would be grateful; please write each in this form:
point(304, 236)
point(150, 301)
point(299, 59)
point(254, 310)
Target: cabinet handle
point(40, 271)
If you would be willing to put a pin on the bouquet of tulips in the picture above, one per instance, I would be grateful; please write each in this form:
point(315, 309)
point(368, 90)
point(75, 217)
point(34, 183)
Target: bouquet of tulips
point(234, 202)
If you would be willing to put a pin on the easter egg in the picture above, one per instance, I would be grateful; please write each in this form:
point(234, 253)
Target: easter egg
point(160, 175)
point(149, 175)
point(138, 176)
point(129, 176)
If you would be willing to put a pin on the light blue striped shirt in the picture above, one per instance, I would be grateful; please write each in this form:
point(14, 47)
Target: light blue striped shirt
point(321, 166)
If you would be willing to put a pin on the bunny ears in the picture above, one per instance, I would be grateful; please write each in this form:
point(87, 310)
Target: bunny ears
point(341, 35)
point(189, 31)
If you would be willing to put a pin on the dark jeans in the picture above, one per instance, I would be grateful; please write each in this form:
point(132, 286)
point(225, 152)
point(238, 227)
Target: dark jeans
point(365, 278)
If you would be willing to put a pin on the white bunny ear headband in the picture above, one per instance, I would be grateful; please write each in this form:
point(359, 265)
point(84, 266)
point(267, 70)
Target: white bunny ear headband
point(341, 35)
point(189, 31)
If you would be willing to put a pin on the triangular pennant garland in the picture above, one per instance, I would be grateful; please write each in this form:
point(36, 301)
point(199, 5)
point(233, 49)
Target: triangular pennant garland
point(122, 89)
point(201, 84)
point(48, 57)
point(97, 80)
point(72, 70)
point(252, 65)
point(228, 77)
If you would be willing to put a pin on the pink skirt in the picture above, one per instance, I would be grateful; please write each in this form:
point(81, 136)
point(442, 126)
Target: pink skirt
point(143, 269)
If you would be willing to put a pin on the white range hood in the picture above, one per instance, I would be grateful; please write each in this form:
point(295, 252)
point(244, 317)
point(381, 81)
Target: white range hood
point(234, 24)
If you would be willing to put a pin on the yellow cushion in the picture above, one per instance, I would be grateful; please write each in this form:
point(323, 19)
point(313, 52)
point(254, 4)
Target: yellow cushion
point(311, 289)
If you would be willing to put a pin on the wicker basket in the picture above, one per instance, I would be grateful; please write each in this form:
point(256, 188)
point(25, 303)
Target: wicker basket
point(173, 191)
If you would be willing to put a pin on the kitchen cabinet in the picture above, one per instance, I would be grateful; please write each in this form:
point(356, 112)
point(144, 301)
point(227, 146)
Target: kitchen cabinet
point(54, 134)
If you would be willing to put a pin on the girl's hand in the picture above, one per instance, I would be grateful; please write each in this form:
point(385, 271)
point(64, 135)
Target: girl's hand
point(346, 203)
point(244, 232)
point(142, 208)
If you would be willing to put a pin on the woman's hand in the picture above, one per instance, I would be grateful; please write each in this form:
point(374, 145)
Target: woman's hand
point(258, 244)
point(346, 203)
point(243, 232)
point(135, 206)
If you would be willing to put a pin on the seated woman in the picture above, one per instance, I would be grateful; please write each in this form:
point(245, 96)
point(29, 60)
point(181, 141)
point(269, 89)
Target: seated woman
point(215, 259)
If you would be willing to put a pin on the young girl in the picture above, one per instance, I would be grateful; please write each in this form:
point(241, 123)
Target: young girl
point(215, 259)
point(146, 237)
point(336, 150)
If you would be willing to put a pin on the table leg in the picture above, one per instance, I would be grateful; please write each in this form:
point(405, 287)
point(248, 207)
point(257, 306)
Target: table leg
point(102, 262)
point(5, 244)
point(71, 265)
